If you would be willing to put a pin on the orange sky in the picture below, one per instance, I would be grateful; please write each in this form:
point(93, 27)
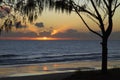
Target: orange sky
point(57, 26)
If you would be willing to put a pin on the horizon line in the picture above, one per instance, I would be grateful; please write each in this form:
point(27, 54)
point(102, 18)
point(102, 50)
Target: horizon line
point(37, 38)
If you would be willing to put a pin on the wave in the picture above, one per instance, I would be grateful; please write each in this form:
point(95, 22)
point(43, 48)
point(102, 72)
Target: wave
point(8, 55)
point(11, 59)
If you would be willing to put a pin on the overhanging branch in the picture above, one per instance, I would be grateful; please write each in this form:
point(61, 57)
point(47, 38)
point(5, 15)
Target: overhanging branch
point(85, 21)
point(89, 27)
point(99, 17)
point(93, 20)
point(106, 3)
point(116, 6)
point(87, 24)
point(93, 15)
point(1, 28)
point(82, 9)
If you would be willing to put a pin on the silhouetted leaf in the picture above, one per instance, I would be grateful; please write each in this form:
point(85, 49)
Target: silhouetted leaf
point(1, 1)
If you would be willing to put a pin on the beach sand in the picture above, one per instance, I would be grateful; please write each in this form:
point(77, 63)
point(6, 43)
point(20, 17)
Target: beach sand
point(50, 71)
point(54, 76)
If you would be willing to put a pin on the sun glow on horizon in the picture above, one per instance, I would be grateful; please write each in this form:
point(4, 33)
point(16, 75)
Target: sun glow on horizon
point(45, 38)
point(36, 38)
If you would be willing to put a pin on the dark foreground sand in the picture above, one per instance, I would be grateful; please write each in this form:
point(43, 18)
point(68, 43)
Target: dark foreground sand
point(54, 76)
point(113, 74)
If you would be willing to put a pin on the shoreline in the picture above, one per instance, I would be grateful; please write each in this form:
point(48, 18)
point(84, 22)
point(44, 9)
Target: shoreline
point(53, 76)
point(113, 74)
point(53, 68)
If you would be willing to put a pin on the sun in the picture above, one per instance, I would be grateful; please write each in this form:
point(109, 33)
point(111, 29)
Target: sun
point(45, 38)
point(42, 38)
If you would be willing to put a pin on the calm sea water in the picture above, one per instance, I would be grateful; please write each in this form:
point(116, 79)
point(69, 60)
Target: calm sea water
point(30, 52)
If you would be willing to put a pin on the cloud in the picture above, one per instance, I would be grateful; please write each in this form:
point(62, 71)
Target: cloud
point(59, 30)
point(115, 35)
point(18, 34)
point(39, 25)
point(45, 34)
point(75, 34)
point(26, 28)
point(70, 34)
point(26, 34)
point(31, 31)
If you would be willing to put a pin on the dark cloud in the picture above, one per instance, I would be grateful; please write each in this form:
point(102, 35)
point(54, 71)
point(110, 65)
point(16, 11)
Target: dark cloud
point(39, 25)
point(27, 34)
point(45, 33)
point(18, 34)
point(115, 35)
point(72, 33)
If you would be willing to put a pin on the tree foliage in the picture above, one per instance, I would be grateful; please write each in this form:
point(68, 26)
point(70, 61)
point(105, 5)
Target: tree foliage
point(15, 12)
point(29, 10)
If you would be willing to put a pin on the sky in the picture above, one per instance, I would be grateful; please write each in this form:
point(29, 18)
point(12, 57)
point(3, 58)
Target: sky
point(60, 26)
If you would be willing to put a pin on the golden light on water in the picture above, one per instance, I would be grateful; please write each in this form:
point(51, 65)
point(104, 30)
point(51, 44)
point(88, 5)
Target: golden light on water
point(45, 68)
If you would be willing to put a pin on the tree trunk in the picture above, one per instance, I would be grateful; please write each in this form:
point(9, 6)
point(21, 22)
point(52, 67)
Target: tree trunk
point(104, 55)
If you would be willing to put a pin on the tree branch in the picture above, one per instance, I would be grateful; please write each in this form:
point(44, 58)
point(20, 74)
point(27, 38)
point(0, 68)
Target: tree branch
point(1, 29)
point(93, 15)
point(116, 6)
point(86, 23)
point(99, 17)
point(89, 27)
point(105, 15)
point(105, 3)
point(93, 20)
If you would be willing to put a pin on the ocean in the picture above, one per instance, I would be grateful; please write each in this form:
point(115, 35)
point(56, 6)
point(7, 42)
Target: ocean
point(15, 52)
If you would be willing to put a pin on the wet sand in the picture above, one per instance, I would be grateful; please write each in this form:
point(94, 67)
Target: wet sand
point(49, 71)
point(55, 76)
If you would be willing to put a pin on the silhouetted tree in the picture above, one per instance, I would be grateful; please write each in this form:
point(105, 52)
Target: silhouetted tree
point(99, 11)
